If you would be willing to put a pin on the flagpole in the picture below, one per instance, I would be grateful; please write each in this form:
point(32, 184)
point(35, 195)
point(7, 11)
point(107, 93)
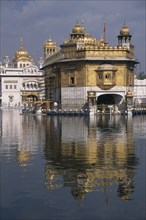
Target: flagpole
point(104, 31)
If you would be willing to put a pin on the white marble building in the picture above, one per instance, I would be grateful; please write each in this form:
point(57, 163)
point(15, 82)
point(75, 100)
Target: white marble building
point(21, 81)
point(139, 91)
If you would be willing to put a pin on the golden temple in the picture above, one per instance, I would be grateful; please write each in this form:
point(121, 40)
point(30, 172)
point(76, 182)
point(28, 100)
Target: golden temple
point(86, 71)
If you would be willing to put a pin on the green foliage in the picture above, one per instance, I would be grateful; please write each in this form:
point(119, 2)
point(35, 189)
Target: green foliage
point(141, 76)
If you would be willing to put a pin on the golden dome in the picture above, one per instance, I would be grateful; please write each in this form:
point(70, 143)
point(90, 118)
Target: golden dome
point(124, 30)
point(21, 54)
point(50, 43)
point(101, 41)
point(89, 38)
point(78, 29)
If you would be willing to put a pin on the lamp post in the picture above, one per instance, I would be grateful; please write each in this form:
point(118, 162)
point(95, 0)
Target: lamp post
point(129, 102)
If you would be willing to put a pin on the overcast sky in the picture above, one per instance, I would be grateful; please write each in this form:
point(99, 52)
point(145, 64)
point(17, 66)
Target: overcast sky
point(36, 21)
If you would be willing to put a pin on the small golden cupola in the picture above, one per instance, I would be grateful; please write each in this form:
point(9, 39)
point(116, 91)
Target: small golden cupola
point(78, 32)
point(49, 47)
point(124, 38)
point(101, 42)
point(124, 30)
point(88, 39)
point(21, 57)
point(78, 29)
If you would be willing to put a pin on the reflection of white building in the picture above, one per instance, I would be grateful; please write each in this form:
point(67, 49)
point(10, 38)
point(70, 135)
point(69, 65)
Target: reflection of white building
point(22, 81)
point(24, 134)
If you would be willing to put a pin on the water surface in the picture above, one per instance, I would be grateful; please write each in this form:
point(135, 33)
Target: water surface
point(71, 168)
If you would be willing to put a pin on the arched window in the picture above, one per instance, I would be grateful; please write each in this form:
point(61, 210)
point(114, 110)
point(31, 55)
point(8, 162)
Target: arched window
point(108, 76)
point(35, 86)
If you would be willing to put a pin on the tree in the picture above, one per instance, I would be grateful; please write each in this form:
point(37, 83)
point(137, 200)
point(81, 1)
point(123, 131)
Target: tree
point(141, 76)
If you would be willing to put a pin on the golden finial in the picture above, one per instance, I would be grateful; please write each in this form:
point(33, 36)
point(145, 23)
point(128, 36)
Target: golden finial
point(21, 42)
point(82, 22)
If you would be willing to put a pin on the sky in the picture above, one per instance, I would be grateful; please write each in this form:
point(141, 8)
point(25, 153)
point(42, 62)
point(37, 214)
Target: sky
point(35, 21)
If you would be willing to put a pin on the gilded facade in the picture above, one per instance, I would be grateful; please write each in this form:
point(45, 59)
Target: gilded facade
point(86, 69)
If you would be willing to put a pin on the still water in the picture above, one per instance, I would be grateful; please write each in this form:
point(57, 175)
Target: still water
point(72, 168)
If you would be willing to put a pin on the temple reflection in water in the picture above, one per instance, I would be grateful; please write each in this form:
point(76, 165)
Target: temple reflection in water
point(27, 133)
point(90, 155)
point(81, 153)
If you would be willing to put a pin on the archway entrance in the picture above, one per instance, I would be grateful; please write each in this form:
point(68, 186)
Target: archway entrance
point(108, 103)
point(29, 99)
point(32, 98)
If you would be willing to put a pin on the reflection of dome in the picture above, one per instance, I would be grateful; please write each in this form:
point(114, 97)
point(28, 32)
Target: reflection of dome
point(21, 54)
point(51, 179)
point(23, 157)
point(78, 29)
point(125, 189)
point(78, 193)
point(124, 30)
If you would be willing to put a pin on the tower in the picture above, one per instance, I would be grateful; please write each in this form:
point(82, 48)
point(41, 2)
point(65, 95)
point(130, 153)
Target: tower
point(124, 38)
point(78, 32)
point(21, 58)
point(49, 48)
